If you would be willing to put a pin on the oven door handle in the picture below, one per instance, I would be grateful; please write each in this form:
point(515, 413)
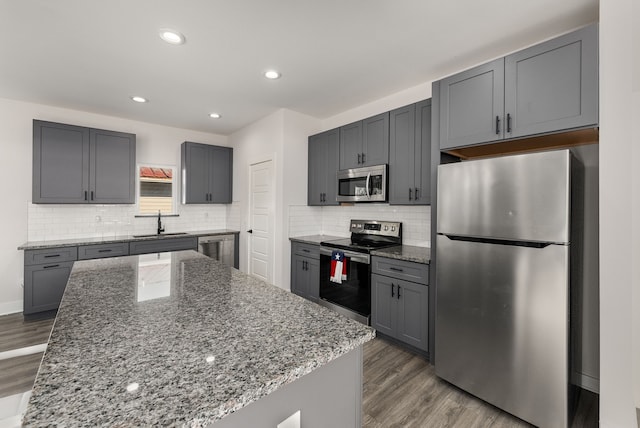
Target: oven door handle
point(355, 257)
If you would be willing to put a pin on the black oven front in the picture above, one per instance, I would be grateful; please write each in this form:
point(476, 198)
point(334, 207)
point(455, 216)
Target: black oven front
point(351, 297)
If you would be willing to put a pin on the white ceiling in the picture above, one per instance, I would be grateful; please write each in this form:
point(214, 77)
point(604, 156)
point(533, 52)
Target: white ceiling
point(92, 55)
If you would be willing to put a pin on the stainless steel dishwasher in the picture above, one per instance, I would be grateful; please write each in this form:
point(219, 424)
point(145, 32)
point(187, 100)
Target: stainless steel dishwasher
point(219, 247)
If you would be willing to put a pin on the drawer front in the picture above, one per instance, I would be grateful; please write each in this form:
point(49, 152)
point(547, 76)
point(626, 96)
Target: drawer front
point(400, 269)
point(162, 245)
point(100, 251)
point(50, 255)
point(306, 250)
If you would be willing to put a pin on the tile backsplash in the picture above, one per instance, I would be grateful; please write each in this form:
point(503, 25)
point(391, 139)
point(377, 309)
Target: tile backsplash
point(50, 222)
point(416, 220)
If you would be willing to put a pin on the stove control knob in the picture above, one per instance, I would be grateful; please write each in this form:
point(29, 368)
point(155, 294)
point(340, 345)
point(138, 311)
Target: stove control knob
point(386, 228)
point(393, 228)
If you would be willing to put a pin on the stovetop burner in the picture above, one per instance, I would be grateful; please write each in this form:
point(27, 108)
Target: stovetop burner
point(367, 235)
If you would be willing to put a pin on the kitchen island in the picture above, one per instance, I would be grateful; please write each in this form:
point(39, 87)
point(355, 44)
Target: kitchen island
point(179, 339)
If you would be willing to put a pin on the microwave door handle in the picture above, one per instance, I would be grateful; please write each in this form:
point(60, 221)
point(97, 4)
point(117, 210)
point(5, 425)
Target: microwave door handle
point(367, 185)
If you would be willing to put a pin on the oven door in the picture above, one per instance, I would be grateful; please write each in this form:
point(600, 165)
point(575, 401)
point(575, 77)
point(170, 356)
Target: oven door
point(352, 297)
point(363, 184)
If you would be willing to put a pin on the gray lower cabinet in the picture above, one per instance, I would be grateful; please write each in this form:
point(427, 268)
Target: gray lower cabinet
point(410, 154)
point(365, 143)
point(161, 245)
point(546, 88)
point(45, 277)
point(323, 165)
point(400, 308)
point(305, 271)
point(207, 173)
point(74, 164)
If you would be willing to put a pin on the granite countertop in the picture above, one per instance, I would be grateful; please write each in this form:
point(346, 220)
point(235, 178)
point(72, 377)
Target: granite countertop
point(199, 339)
point(39, 245)
point(405, 252)
point(315, 239)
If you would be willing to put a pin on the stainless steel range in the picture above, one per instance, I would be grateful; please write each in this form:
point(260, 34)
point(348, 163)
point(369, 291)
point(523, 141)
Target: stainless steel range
point(350, 293)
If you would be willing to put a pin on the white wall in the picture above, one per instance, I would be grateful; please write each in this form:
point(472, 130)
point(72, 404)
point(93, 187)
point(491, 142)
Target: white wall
point(618, 196)
point(267, 139)
point(155, 144)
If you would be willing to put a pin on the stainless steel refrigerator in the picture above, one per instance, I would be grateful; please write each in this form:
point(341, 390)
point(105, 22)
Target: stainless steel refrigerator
point(503, 271)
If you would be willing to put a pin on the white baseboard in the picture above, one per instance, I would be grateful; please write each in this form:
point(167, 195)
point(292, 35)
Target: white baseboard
point(10, 307)
point(587, 382)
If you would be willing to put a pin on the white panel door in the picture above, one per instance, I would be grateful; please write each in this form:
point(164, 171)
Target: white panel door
point(261, 221)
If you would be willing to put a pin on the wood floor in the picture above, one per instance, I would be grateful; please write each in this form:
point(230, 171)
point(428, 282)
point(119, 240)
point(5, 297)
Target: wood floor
point(18, 373)
point(400, 387)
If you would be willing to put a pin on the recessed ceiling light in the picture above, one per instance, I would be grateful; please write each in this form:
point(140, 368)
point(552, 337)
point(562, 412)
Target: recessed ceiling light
point(215, 115)
point(272, 74)
point(139, 99)
point(172, 36)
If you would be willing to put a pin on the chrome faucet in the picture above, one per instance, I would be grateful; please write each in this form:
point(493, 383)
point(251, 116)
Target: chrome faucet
point(160, 228)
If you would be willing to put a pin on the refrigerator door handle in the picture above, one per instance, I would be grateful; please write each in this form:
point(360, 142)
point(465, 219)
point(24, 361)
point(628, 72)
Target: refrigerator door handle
point(499, 241)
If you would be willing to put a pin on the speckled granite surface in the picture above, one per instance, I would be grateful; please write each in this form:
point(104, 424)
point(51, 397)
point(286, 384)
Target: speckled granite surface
point(315, 239)
point(201, 340)
point(405, 252)
point(39, 245)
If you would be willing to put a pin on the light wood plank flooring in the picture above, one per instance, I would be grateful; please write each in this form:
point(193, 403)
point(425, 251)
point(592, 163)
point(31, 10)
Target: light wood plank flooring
point(400, 388)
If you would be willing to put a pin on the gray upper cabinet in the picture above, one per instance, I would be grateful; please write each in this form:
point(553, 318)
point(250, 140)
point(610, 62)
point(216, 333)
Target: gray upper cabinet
point(323, 165)
point(410, 154)
point(554, 85)
point(546, 88)
point(73, 164)
point(472, 106)
point(365, 143)
point(112, 167)
point(207, 174)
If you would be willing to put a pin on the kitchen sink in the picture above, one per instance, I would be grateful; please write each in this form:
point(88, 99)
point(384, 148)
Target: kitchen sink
point(152, 235)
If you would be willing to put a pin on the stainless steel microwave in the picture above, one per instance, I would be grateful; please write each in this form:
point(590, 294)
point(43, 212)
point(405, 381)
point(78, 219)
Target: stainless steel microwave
point(366, 184)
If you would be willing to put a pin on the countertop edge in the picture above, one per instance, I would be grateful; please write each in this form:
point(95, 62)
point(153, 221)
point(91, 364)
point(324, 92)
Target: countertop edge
point(73, 242)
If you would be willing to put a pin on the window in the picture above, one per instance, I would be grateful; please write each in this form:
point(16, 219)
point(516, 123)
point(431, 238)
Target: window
point(156, 189)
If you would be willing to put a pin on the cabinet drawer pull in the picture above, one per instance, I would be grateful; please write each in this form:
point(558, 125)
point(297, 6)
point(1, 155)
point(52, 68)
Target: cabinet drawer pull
point(105, 251)
point(396, 269)
point(305, 250)
point(51, 256)
point(497, 125)
point(50, 266)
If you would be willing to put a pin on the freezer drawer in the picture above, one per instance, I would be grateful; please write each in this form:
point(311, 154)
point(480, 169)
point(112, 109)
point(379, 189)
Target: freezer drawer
point(502, 326)
point(522, 197)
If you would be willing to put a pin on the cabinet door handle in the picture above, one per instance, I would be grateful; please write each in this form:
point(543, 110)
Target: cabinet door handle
point(359, 156)
point(92, 195)
point(396, 269)
point(363, 158)
point(409, 193)
point(416, 194)
point(392, 289)
point(85, 195)
point(497, 125)
point(398, 292)
point(508, 122)
point(50, 266)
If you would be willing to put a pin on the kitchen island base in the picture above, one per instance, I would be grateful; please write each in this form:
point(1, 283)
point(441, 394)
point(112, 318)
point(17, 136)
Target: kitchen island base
point(330, 396)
